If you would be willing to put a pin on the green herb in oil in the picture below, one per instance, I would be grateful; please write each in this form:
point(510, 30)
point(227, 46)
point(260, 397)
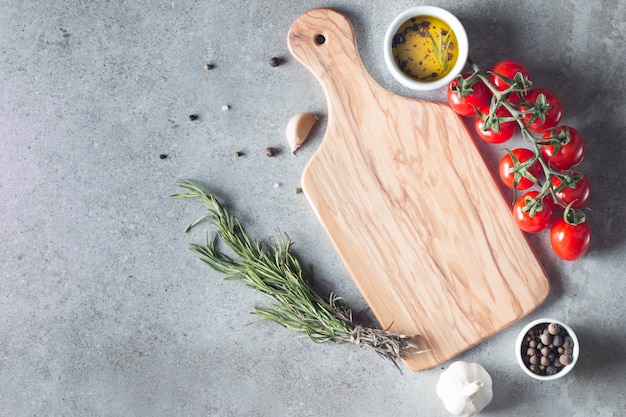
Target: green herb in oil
point(440, 42)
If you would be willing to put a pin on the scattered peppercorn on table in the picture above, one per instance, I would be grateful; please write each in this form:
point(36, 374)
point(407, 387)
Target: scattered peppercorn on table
point(106, 313)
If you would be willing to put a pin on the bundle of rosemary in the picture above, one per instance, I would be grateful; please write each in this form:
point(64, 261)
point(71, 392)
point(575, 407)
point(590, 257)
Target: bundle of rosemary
point(274, 271)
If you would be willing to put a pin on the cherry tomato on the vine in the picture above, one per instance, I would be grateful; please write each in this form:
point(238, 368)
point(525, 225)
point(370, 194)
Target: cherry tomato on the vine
point(569, 241)
point(553, 110)
point(507, 68)
point(527, 220)
point(466, 106)
point(506, 164)
point(505, 132)
point(577, 195)
point(569, 154)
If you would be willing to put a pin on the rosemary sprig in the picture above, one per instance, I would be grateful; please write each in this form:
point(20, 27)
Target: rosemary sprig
point(441, 45)
point(274, 271)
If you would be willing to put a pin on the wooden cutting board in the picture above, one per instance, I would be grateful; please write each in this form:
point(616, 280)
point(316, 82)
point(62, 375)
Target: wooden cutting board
point(407, 200)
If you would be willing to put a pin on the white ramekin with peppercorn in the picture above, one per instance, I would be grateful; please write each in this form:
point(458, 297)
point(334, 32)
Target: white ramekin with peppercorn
point(547, 349)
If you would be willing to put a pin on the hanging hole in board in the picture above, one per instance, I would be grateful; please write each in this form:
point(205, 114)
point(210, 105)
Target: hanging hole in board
point(320, 39)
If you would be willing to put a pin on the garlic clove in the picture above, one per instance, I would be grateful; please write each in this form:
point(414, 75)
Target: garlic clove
point(298, 129)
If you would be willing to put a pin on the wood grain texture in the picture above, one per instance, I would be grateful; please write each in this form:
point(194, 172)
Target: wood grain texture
point(412, 209)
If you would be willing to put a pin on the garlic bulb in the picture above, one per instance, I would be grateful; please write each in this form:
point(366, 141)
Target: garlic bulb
point(298, 129)
point(465, 388)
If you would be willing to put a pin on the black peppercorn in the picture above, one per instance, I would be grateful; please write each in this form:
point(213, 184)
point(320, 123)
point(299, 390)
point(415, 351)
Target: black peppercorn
point(274, 61)
point(397, 40)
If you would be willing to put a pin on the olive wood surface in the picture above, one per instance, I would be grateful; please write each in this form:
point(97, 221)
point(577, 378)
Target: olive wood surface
point(409, 204)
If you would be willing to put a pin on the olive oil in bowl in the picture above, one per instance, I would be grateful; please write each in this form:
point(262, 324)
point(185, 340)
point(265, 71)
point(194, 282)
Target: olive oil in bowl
point(425, 48)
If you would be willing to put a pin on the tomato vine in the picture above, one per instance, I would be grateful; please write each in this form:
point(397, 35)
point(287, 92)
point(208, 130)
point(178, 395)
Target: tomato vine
point(550, 165)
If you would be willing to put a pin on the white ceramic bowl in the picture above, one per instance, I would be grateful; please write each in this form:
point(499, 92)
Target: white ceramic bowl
point(457, 28)
point(566, 369)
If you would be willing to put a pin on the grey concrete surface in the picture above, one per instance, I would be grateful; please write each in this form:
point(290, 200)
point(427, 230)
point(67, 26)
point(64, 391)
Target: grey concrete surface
point(104, 311)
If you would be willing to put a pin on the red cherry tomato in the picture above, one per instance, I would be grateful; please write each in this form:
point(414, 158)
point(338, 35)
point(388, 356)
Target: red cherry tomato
point(569, 154)
point(506, 164)
point(506, 129)
point(553, 110)
point(507, 68)
point(577, 195)
point(569, 241)
point(466, 106)
point(533, 222)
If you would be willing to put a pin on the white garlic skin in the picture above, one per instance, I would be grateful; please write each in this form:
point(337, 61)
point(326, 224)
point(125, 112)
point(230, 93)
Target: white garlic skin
point(298, 129)
point(465, 388)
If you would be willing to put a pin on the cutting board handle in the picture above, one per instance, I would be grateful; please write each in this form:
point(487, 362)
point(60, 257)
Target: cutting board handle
point(323, 40)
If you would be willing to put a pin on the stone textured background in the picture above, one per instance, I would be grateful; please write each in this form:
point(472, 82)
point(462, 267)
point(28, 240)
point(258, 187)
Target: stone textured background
point(104, 312)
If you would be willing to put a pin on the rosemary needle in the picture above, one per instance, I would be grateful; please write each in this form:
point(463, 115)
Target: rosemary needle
point(274, 271)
